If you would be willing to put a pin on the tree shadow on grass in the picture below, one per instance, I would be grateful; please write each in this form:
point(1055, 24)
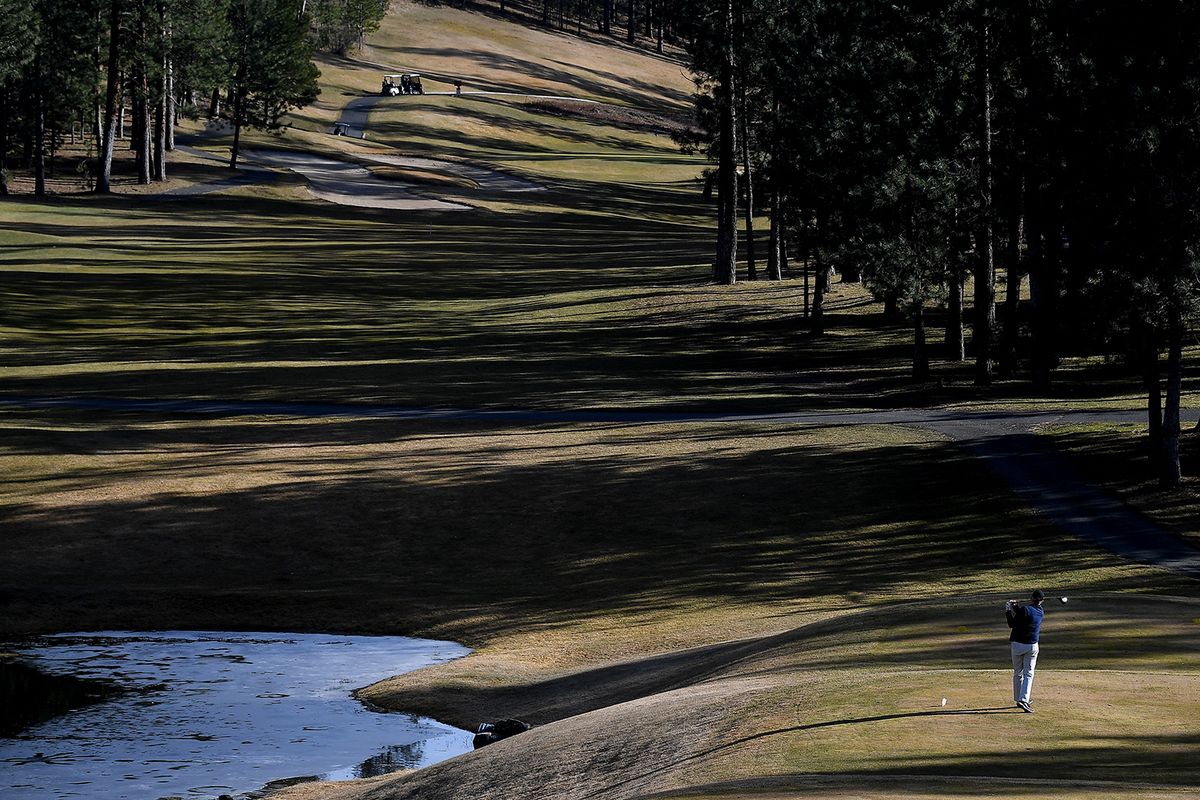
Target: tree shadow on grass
point(394, 541)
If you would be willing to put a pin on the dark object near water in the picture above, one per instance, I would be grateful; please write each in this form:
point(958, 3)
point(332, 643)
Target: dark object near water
point(29, 696)
point(490, 732)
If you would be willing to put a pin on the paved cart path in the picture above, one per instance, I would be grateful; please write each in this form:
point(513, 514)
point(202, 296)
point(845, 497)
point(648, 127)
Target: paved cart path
point(349, 184)
point(1039, 474)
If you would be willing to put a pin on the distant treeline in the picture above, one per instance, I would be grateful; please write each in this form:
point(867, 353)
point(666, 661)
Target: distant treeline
point(95, 68)
point(912, 145)
point(656, 22)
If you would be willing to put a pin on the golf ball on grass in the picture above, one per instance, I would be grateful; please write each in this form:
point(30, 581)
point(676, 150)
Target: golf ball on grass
point(1062, 600)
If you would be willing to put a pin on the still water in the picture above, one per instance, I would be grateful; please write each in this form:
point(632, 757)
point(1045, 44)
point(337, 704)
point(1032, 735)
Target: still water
point(221, 713)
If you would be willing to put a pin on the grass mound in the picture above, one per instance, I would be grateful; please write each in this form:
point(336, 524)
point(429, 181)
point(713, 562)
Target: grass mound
point(852, 707)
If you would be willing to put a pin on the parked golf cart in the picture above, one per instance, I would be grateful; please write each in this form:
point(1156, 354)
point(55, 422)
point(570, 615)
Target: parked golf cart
point(340, 129)
point(404, 83)
point(491, 732)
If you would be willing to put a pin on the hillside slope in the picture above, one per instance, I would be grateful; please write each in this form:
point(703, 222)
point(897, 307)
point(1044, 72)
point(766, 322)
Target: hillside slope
point(634, 97)
point(853, 707)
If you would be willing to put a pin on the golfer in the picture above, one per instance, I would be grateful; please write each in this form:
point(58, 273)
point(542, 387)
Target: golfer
point(1025, 619)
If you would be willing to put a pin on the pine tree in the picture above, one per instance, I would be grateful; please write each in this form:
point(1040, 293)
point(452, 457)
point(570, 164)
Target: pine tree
point(272, 65)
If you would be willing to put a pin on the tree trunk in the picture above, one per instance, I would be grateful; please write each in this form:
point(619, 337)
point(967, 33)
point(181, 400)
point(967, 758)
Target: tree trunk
point(808, 251)
point(1170, 475)
point(774, 269)
point(112, 89)
point(920, 367)
point(160, 139)
point(214, 103)
point(955, 350)
point(1044, 288)
point(751, 266)
point(785, 238)
point(39, 129)
point(1150, 381)
point(1012, 291)
point(237, 128)
point(4, 112)
point(817, 323)
point(161, 107)
point(144, 131)
point(632, 36)
point(985, 268)
point(891, 307)
point(658, 45)
point(606, 20)
point(726, 263)
point(169, 110)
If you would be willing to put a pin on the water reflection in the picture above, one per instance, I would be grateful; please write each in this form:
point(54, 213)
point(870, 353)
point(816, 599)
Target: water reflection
point(221, 713)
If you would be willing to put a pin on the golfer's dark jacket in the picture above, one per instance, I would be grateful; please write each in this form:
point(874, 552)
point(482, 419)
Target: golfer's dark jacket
point(1026, 623)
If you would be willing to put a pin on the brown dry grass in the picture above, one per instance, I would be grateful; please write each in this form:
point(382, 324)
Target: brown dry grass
point(849, 706)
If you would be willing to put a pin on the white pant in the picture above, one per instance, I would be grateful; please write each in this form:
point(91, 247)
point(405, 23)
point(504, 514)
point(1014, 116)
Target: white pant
point(1024, 658)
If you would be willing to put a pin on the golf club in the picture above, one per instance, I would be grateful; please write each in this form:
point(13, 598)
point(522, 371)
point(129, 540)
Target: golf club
point(1062, 599)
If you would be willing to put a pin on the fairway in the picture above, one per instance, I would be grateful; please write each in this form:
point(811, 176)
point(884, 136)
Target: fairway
point(469, 377)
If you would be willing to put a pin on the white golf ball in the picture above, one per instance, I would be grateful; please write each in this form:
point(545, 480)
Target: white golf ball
point(1063, 599)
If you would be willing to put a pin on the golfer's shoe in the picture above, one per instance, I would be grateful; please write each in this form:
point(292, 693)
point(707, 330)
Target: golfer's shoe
point(1024, 706)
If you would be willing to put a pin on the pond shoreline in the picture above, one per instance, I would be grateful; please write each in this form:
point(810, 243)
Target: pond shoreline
point(212, 713)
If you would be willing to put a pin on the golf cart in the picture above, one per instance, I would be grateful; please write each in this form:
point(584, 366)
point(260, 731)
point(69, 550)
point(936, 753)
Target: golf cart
point(341, 129)
point(404, 83)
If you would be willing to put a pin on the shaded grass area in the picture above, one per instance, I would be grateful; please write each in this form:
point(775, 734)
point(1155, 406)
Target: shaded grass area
point(1118, 458)
point(266, 299)
point(467, 531)
point(270, 299)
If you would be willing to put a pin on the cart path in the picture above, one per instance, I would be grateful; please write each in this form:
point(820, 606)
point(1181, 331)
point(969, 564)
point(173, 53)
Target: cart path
point(334, 180)
point(348, 184)
point(1041, 476)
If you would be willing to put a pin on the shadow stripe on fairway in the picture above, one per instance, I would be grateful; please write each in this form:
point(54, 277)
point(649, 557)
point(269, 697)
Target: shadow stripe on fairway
point(1035, 471)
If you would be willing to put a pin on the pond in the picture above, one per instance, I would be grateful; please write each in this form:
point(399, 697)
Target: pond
point(208, 713)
